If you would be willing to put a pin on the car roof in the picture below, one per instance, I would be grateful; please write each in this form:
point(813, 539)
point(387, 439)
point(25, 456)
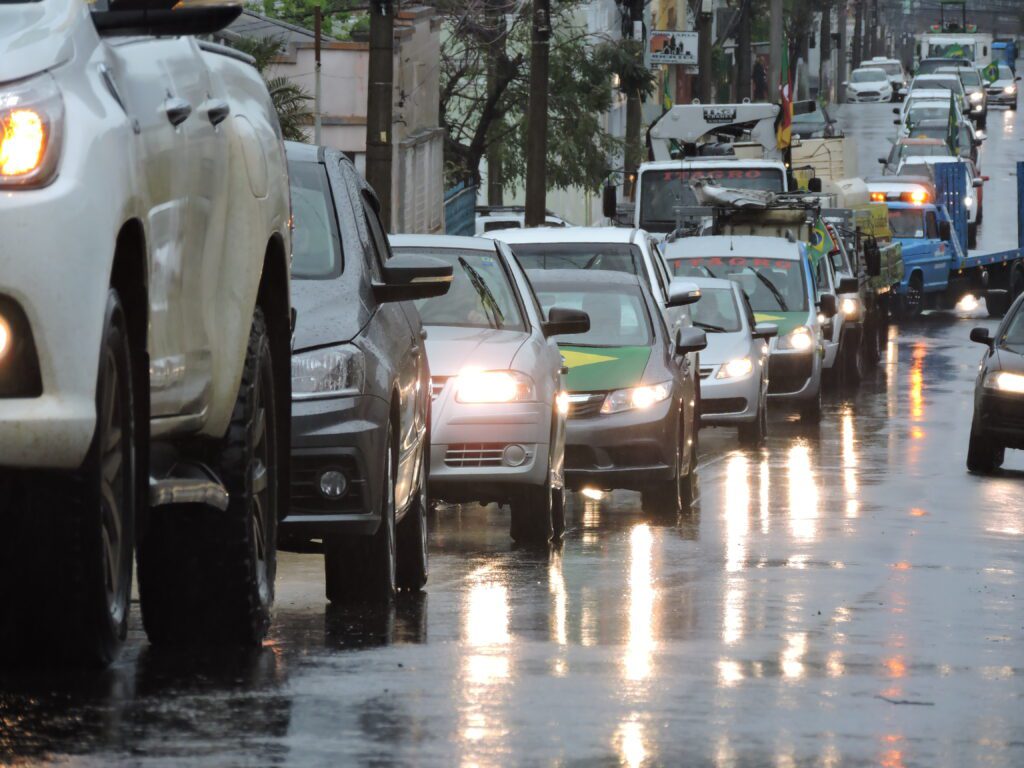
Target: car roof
point(576, 277)
point(442, 241)
point(300, 152)
point(920, 141)
point(564, 235)
point(712, 283)
point(739, 245)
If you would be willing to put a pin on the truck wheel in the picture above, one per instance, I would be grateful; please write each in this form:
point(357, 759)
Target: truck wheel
point(972, 235)
point(206, 575)
point(912, 301)
point(411, 569)
point(365, 568)
point(983, 456)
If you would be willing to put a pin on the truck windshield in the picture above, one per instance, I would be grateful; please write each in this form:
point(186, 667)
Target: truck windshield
point(610, 257)
point(772, 285)
point(907, 222)
point(952, 50)
point(662, 191)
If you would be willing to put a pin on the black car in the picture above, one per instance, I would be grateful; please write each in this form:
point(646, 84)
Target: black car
point(632, 388)
point(815, 123)
point(360, 385)
point(999, 393)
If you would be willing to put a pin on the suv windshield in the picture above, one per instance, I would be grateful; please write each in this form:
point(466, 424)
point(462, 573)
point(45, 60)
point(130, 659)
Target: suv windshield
point(481, 294)
point(618, 317)
point(662, 191)
point(609, 257)
point(316, 245)
point(770, 284)
point(716, 312)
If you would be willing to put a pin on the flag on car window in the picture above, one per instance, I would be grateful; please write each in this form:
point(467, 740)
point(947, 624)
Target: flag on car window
point(953, 126)
point(991, 72)
point(784, 129)
point(821, 243)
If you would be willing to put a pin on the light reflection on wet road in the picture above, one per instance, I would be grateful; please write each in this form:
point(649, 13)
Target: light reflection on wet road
point(846, 596)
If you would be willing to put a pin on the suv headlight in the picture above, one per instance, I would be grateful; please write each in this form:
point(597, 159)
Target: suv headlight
point(1010, 89)
point(31, 126)
point(328, 372)
point(977, 97)
point(800, 339)
point(735, 369)
point(640, 398)
point(493, 387)
point(1005, 381)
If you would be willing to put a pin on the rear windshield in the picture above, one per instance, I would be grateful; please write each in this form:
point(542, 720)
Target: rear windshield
point(920, 114)
point(609, 257)
point(716, 312)
point(950, 83)
point(618, 314)
point(922, 150)
point(316, 245)
point(772, 285)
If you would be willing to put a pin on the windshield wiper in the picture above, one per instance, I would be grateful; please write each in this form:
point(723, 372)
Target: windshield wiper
point(486, 297)
point(710, 327)
point(775, 291)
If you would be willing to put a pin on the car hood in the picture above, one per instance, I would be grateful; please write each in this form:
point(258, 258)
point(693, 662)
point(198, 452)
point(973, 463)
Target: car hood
point(1010, 358)
point(36, 36)
point(1001, 83)
point(324, 314)
point(451, 349)
point(876, 85)
point(599, 369)
point(786, 321)
point(723, 347)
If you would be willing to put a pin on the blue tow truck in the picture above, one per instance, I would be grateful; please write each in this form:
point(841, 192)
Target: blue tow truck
point(938, 268)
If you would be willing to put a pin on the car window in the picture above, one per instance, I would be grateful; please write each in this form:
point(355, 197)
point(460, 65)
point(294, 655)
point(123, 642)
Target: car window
point(770, 284)
point(482, 294)
point(618, 314)
point(751, 320)
point(1013, 336)
point(717, 312)
point(821, 272)
point(931, 225)
point(607, 257)
point(316, 244)
point(381, 252)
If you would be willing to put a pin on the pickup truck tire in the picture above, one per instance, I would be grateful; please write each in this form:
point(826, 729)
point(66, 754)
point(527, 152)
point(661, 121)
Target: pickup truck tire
point(365, 568)
point(983, 456)
point(207, 576)
point(412, 565)
point(912, 302)
point(972, 235)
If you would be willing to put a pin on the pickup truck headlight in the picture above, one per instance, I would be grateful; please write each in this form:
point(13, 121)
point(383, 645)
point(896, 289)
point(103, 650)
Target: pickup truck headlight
point(639, 398)
point(493, 387)
point(800, 339)
point(977, 97)
point(328, 372)
point(31, 126)
point(735, 369)
point(1005, 381)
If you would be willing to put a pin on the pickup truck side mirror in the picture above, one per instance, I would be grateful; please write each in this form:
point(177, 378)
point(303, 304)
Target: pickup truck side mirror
point(610, 201)
point(565, 322)
point(982, 336)
point(690, 340)
point(765, 331)
point(872, 259)
point(848, 285)
point(681, 293)
point(409, 276)
point(827, 305)
point(977, 182)
point(945, 230)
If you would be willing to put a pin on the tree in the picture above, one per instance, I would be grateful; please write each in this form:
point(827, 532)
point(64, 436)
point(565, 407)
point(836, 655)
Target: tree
point(625, 60)
point(290, 100)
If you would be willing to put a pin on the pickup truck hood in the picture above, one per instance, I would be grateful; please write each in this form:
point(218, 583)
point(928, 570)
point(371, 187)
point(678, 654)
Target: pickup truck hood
point(451, 349)
point(325, 314)
point(35, 37)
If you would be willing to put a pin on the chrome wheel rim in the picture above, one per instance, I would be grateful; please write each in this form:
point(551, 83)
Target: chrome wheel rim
point(113, 449)
point(260, 485)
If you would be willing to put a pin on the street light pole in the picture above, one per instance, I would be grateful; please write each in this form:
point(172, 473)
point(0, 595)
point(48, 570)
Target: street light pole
point(317, 21)
point(537, 116)
point(775, 33)
point(379, 106)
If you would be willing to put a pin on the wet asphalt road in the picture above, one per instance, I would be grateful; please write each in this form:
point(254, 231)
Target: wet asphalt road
point(846, 596)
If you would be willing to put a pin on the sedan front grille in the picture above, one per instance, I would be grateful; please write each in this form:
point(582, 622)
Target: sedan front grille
point(474, 454)
point(714, 406)
point(868, 94)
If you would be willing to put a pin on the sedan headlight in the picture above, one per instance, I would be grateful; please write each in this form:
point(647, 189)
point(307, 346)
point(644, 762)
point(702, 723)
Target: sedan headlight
point(1005, 381)
point(472, 386)
point(850, 308)
point(31, 124)
point(1010, 89)
point(735, 369)
point(800, 339)
point(328, 372)
point(977, 97)
point(638, 397)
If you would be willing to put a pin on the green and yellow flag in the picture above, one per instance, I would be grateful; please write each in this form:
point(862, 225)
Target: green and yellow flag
point(821, 243)
point(666, 94)
point(953, 126)
point(991, 72)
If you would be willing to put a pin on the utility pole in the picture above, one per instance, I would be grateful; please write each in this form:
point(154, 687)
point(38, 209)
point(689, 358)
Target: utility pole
point(858, 34)
point(379, 106)
point(317, 21)
point(825, 71)
point(634, 106)
point(841, 54)
point(704, 52)
point(743, 67)
point(537, 116)
point(775, 32)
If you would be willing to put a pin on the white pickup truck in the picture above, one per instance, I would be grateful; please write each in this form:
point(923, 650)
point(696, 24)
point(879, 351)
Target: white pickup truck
point(144, 328)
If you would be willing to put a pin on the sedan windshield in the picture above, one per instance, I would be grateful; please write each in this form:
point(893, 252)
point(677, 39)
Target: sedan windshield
point(609, 257)
point(618, 317)
point(770, 284)
point(1013, 337)
point(716, 312)
point(481, 295)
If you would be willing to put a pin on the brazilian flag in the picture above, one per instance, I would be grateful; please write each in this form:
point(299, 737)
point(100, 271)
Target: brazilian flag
point(953, 126)
point(821, 243)
point(991, 72)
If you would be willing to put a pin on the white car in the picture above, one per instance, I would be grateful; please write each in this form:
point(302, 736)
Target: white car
point(1003, 90)
point(893, 69)
point(144, 353)
point(927, 104)
point(945, 81)
point(502, 217)
point(868, 84)
point(734, 365)
point(497, 421)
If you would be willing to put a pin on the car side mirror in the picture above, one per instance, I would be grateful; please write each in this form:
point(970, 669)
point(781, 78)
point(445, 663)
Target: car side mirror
point(872, 259)
point(945, 230)
point(977, 182)
point(412, 276)
point(681, 293)
point(848, 285)
point(765, 331)
point(827, 305)
point(814, 184)
point(895, 122)
point(690, 340)
point(565, 322)
point(982, 336)
point(610, 201)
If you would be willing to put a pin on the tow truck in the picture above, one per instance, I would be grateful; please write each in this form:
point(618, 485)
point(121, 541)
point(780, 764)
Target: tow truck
point(930, 222)
point(953, 38)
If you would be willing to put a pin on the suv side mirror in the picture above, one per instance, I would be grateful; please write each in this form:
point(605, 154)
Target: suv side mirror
point(681, 293)
point(565, 322)
point(610, 201)
point(872, 259)
point(412, 276)
point(765, 331)
point(945, 230)
point(848, 285)
point(827, 305)
point(690, 340)
point(982, 336)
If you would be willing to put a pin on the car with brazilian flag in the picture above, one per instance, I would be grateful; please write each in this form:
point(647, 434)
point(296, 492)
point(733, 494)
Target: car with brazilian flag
point(632, 386)
point(780, 282)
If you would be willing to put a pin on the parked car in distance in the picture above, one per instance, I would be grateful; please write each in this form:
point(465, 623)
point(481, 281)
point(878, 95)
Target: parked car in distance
point(498, 417)
point(493, 218)
point(998, 421)
point(734, 365)
point(816, 124)
point(868, 84)
point(1003, 90)
point(893, 69)
point(632, 390)
point(360, 386)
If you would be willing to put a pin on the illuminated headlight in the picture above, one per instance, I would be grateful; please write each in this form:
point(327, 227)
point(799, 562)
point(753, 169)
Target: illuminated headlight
point(639, 398)
point(562, 402)
point(493, 387)
point(850, 308)
point(328, 372)
point(1005, 381)
point(968, 202)
point(977, 97)
point(5, 337)
point(735, 369)
point(1010, 89)
point(799, 339)
point(31, 124)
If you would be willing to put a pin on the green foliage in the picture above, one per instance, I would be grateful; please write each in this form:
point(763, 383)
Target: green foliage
point(291, 102)
point(625, 58)
point(337, 14)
